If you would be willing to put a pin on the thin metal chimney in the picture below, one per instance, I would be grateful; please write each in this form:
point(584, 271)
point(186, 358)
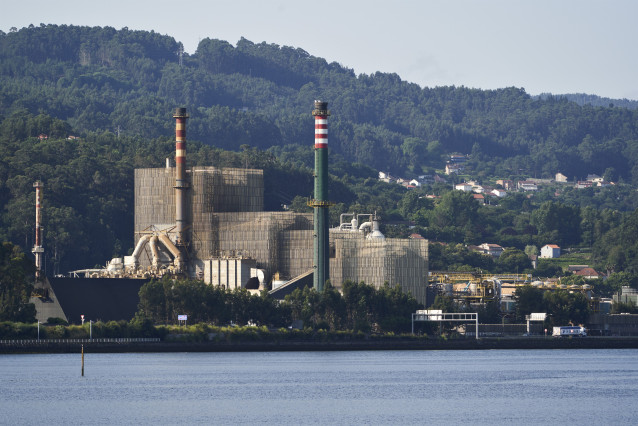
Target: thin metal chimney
point(38, 250)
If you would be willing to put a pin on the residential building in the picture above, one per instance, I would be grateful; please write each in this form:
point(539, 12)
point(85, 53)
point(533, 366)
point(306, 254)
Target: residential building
point(385, 177)
point(465, 186)
point(560, 177)
point(588, 273)
point(527, 185)
point(451, 168)
point(507, 184)
point(456, 158)
point(576, 268)
point(479, 197)
point(550, 251)
point(499, 192)
point(582, 184)
point(493, 250)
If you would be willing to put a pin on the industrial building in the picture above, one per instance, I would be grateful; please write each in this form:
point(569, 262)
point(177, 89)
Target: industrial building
point(227, 239)
point(228, 232)
point(208, 223)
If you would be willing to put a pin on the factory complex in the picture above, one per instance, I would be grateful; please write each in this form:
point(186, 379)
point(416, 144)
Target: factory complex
point(208, 223)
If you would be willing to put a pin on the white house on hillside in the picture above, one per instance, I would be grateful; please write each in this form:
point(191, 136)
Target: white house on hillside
point(463, 187)
point(491, 249)
point(550, 251)
point(527, 185)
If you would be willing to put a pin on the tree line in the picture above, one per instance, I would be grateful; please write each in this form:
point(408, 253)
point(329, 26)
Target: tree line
point(360, 308)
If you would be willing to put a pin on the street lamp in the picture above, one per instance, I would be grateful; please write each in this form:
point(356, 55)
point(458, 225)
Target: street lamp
point(38, 330)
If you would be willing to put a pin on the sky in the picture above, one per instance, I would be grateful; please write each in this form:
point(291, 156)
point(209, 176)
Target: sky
point(543, 46)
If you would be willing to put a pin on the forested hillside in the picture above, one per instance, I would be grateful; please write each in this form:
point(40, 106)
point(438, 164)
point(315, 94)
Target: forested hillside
point(104, 99)
point(585, 99)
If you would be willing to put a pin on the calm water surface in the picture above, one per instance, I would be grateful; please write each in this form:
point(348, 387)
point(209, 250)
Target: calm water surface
point(370, 387)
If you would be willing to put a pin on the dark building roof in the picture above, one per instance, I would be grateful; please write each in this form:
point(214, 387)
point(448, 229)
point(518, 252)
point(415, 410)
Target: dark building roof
point(299, 282)
point(98, 299)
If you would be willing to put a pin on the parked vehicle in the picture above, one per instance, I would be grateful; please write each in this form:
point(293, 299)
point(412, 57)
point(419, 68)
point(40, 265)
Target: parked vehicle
point(569, 331)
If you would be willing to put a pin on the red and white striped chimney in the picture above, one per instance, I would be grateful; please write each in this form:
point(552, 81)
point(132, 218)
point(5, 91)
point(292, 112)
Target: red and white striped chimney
point(181, 184)
point(38, 250)
point(321, 128)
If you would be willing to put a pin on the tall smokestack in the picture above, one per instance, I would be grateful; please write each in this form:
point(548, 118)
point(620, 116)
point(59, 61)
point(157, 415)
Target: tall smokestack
point(181, 184)
point(38, 250)
point(320, 203)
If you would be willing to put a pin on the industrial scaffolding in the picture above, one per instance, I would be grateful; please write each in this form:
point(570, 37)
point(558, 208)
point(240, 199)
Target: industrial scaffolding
point(227, 222)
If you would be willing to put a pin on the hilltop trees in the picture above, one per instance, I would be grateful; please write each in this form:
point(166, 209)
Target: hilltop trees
point(100, 78)
point(102, 99)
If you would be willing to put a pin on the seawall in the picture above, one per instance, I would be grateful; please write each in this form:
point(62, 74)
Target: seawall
point(308, 345)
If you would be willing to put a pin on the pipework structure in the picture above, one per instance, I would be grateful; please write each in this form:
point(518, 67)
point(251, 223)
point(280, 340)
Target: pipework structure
point(181, 187)
point(320, 203)
point(38, 250)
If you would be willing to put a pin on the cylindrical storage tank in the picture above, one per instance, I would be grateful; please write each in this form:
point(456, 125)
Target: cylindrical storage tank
point(376, 233)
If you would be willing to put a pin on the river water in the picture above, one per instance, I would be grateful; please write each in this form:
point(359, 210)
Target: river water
point(289, 388)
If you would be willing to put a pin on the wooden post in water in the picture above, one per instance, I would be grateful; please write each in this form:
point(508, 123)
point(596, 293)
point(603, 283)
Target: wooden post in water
point(82, 360)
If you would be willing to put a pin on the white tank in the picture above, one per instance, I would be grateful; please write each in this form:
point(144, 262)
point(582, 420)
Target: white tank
point(376, 233)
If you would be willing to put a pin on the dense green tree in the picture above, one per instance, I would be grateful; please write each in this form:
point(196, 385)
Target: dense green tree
point(563, 307)
point(557, 223)
point(513, 260)
point(16, 285)
point(528, 299)
point(546, 268)
point(567, 308)
point(163, 300)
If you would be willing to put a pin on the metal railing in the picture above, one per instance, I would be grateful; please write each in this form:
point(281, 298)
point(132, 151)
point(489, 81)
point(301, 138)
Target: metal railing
point(67, 341)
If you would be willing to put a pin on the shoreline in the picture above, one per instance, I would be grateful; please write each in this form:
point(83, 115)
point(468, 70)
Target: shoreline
point(487, 343)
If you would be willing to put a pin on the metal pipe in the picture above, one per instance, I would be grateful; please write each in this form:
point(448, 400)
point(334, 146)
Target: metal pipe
point(138, 248)
point(177, 255)
point(154, 251)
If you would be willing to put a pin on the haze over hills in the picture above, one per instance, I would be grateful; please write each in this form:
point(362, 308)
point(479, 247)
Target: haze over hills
point(81, 107)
